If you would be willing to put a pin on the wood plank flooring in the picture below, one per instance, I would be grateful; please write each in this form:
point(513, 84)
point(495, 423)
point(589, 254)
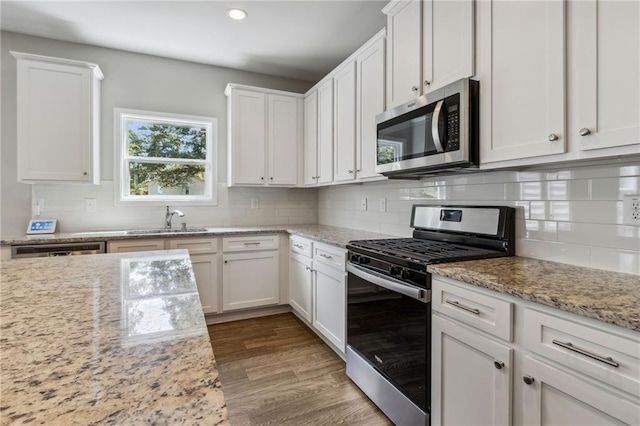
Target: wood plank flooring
point(275, 371)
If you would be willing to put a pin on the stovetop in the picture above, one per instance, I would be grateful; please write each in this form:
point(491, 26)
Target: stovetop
point(420, 250)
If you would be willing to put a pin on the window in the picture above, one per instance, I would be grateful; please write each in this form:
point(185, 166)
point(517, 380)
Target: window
point(162, 158)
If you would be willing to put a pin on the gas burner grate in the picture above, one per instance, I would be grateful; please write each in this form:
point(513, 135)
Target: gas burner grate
point(424, 251)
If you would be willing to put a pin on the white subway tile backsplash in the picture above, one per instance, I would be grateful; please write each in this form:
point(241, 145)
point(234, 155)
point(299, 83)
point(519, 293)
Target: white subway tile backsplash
point(561, 215)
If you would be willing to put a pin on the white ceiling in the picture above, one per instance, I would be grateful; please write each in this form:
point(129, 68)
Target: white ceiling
point(296, 39)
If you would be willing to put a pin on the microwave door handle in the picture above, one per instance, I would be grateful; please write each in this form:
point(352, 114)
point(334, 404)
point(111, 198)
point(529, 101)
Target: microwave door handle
point(434, 126)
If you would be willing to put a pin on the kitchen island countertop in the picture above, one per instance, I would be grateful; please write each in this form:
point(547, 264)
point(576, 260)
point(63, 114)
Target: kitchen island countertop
point(607, 296)
point(106, 339)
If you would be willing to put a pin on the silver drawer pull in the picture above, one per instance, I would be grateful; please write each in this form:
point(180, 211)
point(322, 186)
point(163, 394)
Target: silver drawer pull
point(326, 256)
point(568, 345)
point(252, 244)
point(298, 246)
point(461, 306)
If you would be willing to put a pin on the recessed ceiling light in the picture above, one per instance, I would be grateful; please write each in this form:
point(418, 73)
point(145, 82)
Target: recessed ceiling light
point(238, 14)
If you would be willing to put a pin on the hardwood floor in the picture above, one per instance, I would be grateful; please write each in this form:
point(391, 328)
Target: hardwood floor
point(275, 371)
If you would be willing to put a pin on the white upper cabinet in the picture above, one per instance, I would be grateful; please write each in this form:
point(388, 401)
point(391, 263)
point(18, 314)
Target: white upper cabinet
point(345, 122)
point(606, 73)
point(264, 133)
point(283, 126)
point(370, 103)
point(310, 139)
point(404, 39)
point(325, 132)
point(521, 67)
point(448, 42)
point(58, 119)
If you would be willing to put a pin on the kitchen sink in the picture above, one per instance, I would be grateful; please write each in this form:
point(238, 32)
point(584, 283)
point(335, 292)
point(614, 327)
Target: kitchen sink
point(165, 231)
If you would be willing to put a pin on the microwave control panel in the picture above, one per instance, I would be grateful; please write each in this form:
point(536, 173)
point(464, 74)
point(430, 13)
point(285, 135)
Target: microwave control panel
point(453, 129)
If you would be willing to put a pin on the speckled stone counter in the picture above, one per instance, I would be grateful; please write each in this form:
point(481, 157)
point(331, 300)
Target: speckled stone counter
point(606, 296)
point(327, 234)
point(106, 339)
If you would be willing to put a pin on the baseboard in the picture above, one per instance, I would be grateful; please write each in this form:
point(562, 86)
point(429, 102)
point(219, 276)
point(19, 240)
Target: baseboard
point(246, 314)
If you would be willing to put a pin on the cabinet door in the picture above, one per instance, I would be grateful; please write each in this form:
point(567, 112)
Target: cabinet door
point(325, 132)
point(606, 70)
point(329, 305)
point(300, 281)
point(447, 47)
point(404, 39)
point(521, 67)
point(283, 140)
point(311, 139)
point(55, 127)
point(247, 137)
point(134, 245)
point(556, 397)
point(249, 280)
point(345, 123)
point(467, 387)
point(370, 103)
point(205, 270)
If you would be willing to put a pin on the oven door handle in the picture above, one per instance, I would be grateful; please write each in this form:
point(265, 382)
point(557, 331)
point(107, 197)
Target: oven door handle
point(392, 284)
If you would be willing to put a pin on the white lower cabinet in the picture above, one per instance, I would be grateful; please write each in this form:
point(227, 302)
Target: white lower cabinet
point(329, 304)
point(300, 285)
point(127, 246)
point(205, 270)
point(553, 396)
point(250, 278)
point(558, 369)
point(471, 377)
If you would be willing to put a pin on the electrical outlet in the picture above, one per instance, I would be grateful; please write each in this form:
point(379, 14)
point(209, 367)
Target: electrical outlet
point(90, 205)
point(364, 204)
point(631, 209)
point(255, 203)
point(383, 204)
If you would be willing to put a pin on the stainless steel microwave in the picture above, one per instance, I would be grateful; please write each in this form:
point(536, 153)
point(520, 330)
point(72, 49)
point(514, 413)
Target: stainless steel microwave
point(432, 133)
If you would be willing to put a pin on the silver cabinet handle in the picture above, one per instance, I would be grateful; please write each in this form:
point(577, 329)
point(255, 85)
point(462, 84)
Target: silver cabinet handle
point(271, 178)
point(427, 83)
point(414, 89)
point(553, 137)
point(461, 306)
point(568, 345)
point(350, 171)
point(584, 132)
point(358, 170)
point(326, 256)
point(252, 244)
point(318, 177)
point(528, 379)
point(262, 178)
point(300, 246)
point(434, 126)
point(498, 364)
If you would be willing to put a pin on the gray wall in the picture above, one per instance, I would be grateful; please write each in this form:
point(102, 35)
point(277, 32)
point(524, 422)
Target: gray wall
point(131, 81)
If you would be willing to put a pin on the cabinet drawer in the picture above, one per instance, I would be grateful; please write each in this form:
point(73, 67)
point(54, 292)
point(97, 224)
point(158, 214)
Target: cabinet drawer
point(134, 245)
point(301, 246)
point(194, 245)
point(250, 243)
point(478, 310)
point(613, 359)
point(330, 256)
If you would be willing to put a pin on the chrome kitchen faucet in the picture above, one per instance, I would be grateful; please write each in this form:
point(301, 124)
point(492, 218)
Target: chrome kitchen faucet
point(169, 216)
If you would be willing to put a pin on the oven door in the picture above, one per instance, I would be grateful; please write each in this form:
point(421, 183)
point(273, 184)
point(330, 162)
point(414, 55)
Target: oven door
point(388, 325)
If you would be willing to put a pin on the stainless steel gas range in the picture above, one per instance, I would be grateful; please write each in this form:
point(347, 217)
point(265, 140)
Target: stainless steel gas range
point(389, 300)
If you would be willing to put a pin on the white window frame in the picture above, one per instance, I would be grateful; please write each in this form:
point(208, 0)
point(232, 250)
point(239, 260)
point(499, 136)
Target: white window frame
point(122, 116)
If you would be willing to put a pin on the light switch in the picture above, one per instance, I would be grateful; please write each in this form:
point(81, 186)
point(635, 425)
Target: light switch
point(364, 204)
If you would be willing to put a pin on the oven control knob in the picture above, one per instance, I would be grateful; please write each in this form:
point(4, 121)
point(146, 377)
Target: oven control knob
point(407, 274)
point(355, 258)
point(364, 260)
point(395, 270)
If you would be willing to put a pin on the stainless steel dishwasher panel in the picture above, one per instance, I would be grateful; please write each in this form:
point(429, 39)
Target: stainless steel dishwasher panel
point(51, 250)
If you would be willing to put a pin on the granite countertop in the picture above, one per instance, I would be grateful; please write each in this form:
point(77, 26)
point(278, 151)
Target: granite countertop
point(603, 295)
point(326, 234)
point(108, 339)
